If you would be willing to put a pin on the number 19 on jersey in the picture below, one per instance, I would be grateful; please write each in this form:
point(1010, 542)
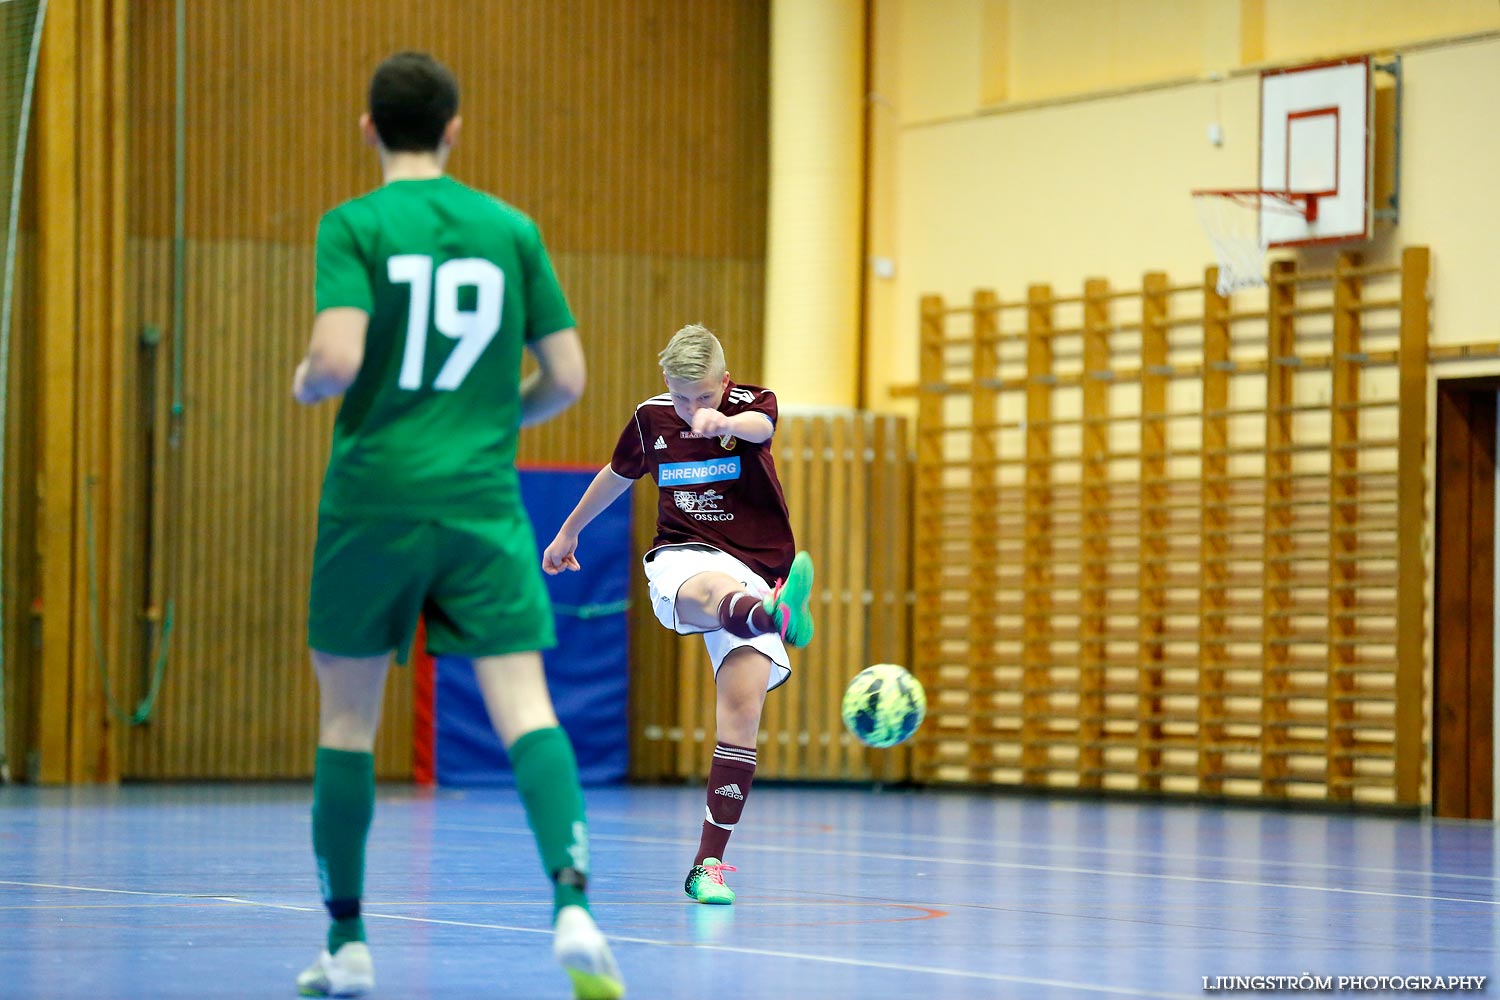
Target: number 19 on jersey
point(435, 303)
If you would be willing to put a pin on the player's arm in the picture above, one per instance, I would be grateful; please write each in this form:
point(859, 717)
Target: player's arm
point(558, 380)
point(603, 491)
point(334, 354)
point(749, 426)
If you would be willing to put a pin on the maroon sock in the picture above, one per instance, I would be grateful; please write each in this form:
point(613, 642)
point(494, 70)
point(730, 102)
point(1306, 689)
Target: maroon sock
point(728, 785)
point(743, 614)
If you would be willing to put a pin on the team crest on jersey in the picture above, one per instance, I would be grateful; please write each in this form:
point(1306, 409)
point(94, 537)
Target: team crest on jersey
point(701, 506)
point(728, 442)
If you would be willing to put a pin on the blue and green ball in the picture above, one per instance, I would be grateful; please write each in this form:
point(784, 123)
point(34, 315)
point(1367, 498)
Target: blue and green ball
point(884, 705)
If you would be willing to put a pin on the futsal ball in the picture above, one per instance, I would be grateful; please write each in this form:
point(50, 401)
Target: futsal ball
point(883, 705)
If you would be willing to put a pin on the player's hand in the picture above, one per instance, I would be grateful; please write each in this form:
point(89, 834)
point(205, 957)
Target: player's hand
point(710, 423)
point(301, 392)
point(559, 555)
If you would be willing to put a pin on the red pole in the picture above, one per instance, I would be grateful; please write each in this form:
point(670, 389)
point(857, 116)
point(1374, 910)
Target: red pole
point(424, 711)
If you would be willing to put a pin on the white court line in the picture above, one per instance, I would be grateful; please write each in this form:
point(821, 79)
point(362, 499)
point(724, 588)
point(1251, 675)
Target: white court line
point(1115, 851)
point(1008, 865)
point(1130, 852)
point(122, 892)
point(933, 970)
point(1175, 856)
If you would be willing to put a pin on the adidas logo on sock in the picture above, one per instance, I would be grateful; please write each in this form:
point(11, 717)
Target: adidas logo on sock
point(730, 791)
point(660, 442)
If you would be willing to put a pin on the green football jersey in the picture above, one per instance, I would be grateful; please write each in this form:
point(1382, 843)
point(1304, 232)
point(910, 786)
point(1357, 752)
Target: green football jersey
point(456, 283)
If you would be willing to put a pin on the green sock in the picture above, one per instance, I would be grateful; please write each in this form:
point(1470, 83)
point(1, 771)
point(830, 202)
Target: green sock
point(343, 804)
point(547, 778)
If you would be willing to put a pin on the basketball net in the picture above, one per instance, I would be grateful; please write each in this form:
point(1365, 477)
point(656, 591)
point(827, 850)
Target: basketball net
point(1232, 220)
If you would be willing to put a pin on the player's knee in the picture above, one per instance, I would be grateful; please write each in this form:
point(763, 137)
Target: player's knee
point(352, 731)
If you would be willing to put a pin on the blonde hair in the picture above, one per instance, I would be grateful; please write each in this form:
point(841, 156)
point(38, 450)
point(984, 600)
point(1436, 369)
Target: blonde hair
point(693, 353)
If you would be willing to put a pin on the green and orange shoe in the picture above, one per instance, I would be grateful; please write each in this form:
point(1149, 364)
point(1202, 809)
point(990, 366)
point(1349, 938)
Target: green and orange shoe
point(583, 953)
point(788, 602)
point(705, 882)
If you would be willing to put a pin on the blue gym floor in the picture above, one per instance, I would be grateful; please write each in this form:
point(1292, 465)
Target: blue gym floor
point(199, 891)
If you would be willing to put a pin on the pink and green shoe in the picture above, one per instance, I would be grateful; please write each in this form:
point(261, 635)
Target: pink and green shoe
point(705, 882)
point(788, 604)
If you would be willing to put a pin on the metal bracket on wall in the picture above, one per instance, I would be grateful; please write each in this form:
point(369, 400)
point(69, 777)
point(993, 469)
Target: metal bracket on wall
point(1392, 212)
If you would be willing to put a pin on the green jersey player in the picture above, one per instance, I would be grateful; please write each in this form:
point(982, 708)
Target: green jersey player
point(427, 293)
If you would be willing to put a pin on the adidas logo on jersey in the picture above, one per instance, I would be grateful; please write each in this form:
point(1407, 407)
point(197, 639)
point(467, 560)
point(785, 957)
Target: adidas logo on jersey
point(730, 791)
point(660, 442)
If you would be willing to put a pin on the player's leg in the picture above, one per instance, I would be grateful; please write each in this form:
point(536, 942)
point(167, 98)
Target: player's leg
point(349, 697)
point(490, 603)
point(520, 707)
point(701, 589)
point(742, 679)
point(713, 600)
point(719, 600)
point(363, 605)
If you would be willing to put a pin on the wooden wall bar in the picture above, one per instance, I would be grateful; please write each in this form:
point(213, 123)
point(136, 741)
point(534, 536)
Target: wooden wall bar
point(1412, 670)
point(928, 565)
point(1044, 729)
point(1154, 696)
point(1271, 649)
point(847, 484)
point(1278, 564)
point(1214, 622)
point(980, 552)
point(1346, 528)
point(1096, 548)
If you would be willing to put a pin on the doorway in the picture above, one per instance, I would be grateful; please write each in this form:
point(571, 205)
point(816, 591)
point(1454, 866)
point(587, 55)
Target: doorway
point(1463, 718)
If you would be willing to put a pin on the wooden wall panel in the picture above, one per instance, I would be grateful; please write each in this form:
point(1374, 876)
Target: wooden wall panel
point(237, 523)
point(18, 532)
point(627, 309)
point(19, 528)
point(635, 128)
point(634, 133)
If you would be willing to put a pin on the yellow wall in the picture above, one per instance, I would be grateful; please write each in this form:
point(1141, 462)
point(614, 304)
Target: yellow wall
point(959, 55)
point(1059, 191)
point(938, 55)
point(1073, 46)
point(816, 209)
point(1302, 29)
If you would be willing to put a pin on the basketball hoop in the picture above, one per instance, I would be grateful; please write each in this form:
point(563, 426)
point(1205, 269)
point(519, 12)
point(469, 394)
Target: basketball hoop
point(1232, 219)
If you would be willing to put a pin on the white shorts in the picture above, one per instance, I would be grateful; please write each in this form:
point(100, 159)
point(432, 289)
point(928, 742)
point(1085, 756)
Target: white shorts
point(668, 567)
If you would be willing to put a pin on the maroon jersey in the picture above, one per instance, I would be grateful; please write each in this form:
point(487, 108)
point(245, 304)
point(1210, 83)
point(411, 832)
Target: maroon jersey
point(717, 491)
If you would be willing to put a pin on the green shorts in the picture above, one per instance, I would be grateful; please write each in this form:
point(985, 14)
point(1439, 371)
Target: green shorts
point(478, 584)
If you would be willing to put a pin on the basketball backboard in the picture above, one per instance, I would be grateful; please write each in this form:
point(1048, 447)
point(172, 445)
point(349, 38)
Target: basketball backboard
point(1316, 141)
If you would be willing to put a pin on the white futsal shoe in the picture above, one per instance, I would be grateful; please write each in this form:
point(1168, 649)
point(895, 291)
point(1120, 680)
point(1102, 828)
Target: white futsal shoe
point(581, 950)
point(348, 972)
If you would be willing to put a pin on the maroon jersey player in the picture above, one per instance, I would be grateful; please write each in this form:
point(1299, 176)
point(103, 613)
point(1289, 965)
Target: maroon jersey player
point(723, 564)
